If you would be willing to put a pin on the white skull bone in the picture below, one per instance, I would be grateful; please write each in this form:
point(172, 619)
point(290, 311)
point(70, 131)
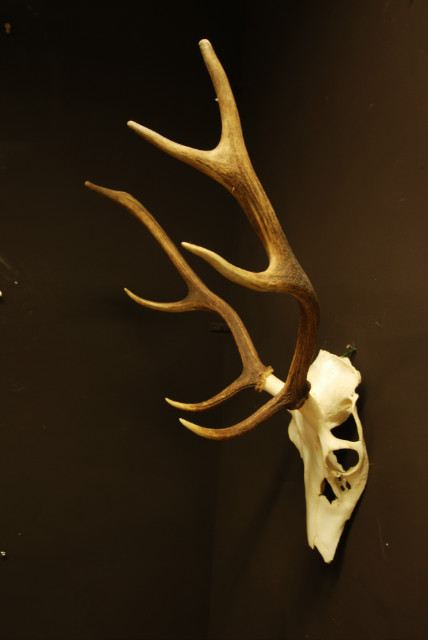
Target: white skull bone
point(332, 488)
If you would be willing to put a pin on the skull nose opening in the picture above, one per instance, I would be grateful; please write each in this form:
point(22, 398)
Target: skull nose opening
point(347, 430)
point(347, 458)
point(327, 491)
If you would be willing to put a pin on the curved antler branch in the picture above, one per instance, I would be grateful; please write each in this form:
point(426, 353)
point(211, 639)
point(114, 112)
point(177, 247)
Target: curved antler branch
point(229, 164)
point(243, 382)
point(199, 297)
point(267, 410)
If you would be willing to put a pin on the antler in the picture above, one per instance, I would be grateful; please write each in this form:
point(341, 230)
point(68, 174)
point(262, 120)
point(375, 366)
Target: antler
point(230, 165)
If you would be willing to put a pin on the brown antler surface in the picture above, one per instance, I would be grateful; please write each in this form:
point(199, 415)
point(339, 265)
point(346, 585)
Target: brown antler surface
point(229, 164)
point(199, 297)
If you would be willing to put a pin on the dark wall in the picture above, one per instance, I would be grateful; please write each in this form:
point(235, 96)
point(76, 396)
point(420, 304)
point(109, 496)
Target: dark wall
point(108, 504)
point(338, 127)
point(117, 523)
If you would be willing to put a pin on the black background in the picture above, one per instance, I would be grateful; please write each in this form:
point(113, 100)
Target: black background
point(117, 522)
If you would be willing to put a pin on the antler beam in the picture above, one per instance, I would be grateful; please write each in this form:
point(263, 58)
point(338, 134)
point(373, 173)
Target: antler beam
point(229, 164)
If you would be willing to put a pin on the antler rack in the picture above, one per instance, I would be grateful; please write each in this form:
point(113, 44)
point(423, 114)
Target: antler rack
point(229, 164)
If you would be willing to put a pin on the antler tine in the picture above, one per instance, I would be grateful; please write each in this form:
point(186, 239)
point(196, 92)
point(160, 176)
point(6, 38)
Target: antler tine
point(229, 164)
point(199, 297)
point(244, 381)
point(140, 212)
point(267, 410)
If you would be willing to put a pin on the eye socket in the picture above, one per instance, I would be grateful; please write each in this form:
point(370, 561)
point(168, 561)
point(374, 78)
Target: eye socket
point(347, 430)
point(347, 458)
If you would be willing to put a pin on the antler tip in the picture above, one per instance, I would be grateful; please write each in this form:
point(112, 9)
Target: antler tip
point(151, 136)
point(185, 406)
point(173, 403)
point(187, 424)
point(108, 193)
point(142, 301)
point(193, 248)
point(136, 298)
point(102, 190)
point(210, 434)
point(139, 128)
point(200, 431)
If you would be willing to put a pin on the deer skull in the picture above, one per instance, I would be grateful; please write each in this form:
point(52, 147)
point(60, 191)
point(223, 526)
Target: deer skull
point(332, 486)
point(335, 468)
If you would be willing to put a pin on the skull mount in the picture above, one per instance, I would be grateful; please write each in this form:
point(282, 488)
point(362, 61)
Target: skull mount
point(329, 436)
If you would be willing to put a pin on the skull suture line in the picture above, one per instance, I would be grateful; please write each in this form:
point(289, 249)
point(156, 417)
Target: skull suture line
point(331, 489)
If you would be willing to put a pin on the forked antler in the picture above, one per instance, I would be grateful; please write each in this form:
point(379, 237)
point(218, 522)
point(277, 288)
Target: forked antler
point(230, 165)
